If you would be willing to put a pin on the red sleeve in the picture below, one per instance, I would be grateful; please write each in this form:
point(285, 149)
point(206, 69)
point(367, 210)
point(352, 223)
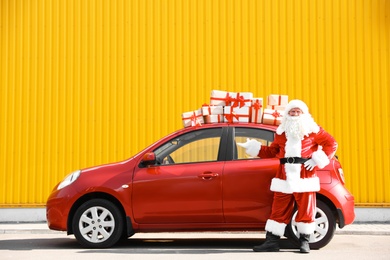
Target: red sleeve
point(272, 150)
point(328, 143)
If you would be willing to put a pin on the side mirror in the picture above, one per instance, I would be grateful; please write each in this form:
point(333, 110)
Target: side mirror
point(149, 159)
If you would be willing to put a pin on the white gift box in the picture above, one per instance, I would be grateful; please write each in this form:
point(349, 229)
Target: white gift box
point(192, 118)
point(224, 98)
point(241, 99)
point(214, 119)
point(276, 107)
point(220, 98)
point(212, 110)
point(272, 117)
point(277, 100)
point(257, 110)
point(236, 114)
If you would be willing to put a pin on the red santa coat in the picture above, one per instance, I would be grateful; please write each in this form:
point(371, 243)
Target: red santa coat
point(290, 178)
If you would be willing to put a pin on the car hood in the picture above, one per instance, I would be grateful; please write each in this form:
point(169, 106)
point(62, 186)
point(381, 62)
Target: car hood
point(117, 167)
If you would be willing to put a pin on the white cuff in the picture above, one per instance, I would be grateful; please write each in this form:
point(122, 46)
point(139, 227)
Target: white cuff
point(320, 158)
point(254, 148)
point(275, 228)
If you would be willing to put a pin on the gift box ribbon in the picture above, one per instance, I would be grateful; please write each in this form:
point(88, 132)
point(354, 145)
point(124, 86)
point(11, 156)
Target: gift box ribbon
point(275, 114)
point(232, 115)
point(228, 99)
point(194, 119)
point(257, 106)
point(239, 101)
point(208, 108)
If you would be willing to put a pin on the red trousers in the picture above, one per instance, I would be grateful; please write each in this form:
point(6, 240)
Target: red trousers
point(283, 206)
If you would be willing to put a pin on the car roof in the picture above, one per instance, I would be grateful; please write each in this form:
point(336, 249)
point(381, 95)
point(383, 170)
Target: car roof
point(239, 124)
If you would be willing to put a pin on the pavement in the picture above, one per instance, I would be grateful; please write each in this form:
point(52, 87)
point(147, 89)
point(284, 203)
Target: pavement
point(353, 229)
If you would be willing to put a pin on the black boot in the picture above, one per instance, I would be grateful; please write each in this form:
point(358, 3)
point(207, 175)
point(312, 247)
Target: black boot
point(271, 244)
point(304, 239)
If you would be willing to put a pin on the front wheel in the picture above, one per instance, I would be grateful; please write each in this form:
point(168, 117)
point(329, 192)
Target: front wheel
point(324, 231)
point(98, 223)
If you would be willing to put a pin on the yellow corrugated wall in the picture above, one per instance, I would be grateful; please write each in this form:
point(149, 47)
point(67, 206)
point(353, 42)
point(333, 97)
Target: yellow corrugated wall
point(87, 82)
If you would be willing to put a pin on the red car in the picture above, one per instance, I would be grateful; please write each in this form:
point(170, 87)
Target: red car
point(195, 179)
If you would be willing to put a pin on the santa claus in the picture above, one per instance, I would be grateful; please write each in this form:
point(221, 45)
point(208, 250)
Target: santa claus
point(302, 147)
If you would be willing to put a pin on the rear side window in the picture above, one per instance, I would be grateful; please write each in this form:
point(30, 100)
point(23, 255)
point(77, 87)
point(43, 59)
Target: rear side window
point(241, 134)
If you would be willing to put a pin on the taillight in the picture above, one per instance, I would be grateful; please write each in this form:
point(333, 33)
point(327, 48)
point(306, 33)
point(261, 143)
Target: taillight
point(341, 174)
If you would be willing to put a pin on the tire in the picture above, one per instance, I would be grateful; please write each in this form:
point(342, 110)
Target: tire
point(98, 223)
point(324, 231)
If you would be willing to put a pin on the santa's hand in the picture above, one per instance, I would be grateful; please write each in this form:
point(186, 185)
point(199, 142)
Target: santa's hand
point(310, 164)
point(252, 147)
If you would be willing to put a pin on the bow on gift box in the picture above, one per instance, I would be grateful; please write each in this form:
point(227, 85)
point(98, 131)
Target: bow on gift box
point(228, 99)
point(275, 114)
point(257, 106)
point(239, 101)
point(229, 117)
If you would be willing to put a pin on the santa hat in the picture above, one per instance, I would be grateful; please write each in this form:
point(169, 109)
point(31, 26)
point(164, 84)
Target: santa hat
point(297, 103)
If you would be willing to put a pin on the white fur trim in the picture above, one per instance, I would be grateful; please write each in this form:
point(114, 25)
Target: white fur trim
point(320, 158)
point(293, 147)
point(296, 103)
point(299, 185)
point(275, 228)
point(306, 228)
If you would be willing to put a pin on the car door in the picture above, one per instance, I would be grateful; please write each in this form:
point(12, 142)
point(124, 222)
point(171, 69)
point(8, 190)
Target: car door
point(185, 185)
point(246, 181)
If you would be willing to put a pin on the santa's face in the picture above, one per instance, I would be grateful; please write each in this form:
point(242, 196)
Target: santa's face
point(295, 111)
point(297, 123)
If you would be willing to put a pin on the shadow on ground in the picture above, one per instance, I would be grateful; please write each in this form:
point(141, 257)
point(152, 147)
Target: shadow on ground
point(145, 246)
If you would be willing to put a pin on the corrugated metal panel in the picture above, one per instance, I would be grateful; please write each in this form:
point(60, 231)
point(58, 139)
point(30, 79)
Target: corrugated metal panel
point(90, 82)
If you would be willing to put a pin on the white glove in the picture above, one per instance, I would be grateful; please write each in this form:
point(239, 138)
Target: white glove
point(252, 147)
point(310, 164)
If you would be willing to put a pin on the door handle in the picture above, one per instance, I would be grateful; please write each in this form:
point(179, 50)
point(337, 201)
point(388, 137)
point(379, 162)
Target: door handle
point(208, 175)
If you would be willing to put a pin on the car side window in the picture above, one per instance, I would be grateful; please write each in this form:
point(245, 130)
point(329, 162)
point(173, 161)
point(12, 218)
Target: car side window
point(196, 146)
point(241, 134)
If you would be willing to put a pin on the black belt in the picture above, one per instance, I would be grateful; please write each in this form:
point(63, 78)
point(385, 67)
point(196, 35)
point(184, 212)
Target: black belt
point(293, 160)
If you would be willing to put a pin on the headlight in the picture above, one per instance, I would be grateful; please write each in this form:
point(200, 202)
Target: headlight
point(69, 179)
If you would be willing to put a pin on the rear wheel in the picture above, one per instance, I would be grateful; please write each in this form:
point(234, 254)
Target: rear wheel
point(324, 231)
point(98, 223)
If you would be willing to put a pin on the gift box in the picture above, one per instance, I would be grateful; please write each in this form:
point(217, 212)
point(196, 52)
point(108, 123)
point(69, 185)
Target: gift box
point(211, 110)
point(192, 118)
point(276, 107)
point(277, 100)
point(236, 114)
point(272, 117)
point(220, 98)
point(257, 110)
point(224, 98)
point(214, 119)
point(241, 99)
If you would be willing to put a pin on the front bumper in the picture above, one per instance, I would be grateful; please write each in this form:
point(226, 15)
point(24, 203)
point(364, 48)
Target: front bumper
point(57, 208)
